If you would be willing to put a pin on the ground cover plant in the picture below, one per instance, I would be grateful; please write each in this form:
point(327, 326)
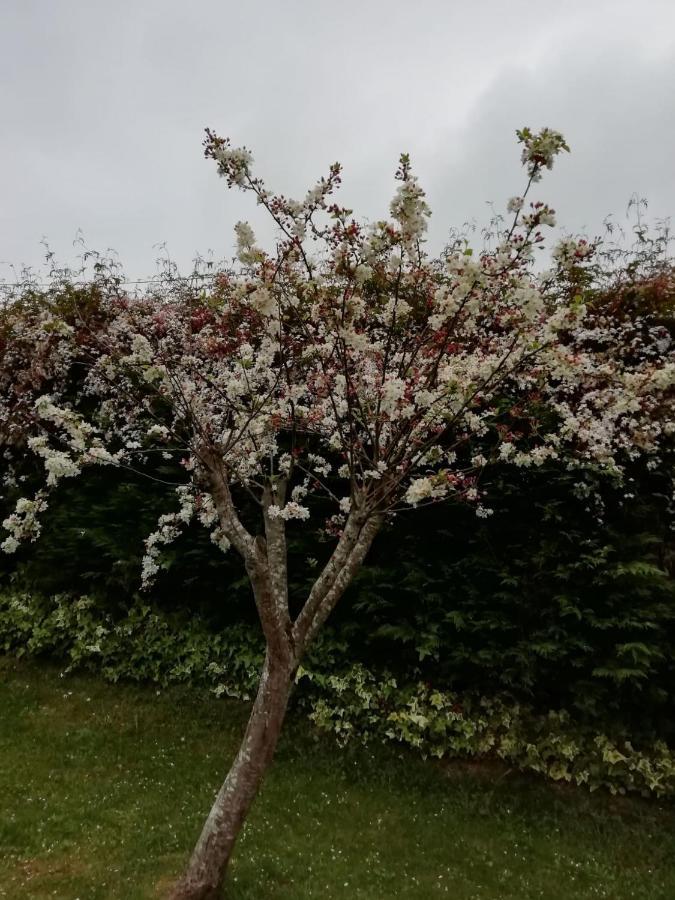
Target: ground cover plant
point(353, 702)
point(84, 813)
point(331, 385)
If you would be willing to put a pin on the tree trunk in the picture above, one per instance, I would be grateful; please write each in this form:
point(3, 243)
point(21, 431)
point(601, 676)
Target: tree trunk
point(207, 866)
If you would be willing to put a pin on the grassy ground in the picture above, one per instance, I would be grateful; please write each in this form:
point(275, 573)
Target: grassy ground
point(103, 789)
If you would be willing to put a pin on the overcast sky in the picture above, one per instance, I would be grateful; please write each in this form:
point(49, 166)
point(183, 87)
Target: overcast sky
point(104, 106)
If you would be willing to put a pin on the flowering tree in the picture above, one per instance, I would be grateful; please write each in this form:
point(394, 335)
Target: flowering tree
point(328, 384)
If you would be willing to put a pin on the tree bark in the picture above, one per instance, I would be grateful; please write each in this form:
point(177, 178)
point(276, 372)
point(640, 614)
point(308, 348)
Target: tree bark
point(266, 562)
point(207, 866)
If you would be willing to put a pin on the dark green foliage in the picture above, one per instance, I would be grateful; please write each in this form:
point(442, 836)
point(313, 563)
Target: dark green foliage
point(556, 599)
point(92, 543)
point(546, 599)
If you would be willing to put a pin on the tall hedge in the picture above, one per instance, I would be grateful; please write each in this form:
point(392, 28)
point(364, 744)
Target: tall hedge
point(564, 597)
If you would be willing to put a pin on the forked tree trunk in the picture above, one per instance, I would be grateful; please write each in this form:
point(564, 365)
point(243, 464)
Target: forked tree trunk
point(207, 866)
point(286, 642)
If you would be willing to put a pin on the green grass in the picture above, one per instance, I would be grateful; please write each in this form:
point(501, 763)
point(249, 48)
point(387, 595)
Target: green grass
point(103, 789)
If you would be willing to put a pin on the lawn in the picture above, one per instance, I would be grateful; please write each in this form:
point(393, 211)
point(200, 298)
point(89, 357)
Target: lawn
point(103, 789)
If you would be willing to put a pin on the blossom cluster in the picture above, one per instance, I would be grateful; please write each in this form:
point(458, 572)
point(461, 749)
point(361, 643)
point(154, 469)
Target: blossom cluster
point(347, 366)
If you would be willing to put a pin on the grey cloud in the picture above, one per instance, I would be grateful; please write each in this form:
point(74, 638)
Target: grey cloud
point(616, 111)
point(104, 106)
